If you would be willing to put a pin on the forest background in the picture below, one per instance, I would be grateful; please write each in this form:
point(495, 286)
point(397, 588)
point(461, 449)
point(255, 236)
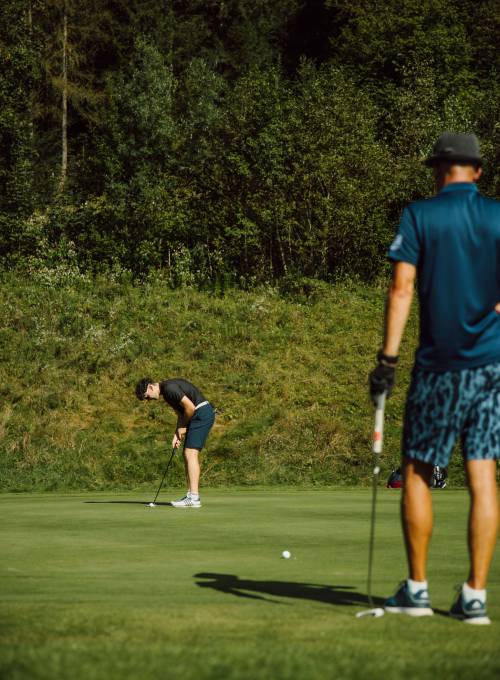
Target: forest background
point(250, 158)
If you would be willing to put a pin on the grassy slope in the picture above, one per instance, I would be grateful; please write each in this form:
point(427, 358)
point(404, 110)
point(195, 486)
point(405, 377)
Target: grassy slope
point(98, 591)
point(289, 375)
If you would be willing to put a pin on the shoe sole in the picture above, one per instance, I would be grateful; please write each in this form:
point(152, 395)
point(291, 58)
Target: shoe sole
point(479, 621)
point(410, 611)
point(473, 621)
point(185, 506)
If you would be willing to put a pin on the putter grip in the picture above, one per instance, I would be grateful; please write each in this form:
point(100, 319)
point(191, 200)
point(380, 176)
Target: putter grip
point(378, 430)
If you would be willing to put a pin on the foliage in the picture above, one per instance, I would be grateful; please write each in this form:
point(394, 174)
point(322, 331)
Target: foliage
point(214, 147)
point(382, 39)
point(252, 140)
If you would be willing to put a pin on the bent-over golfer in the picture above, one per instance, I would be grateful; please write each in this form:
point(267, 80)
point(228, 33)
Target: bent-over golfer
point(195, 417)
point(451, 244)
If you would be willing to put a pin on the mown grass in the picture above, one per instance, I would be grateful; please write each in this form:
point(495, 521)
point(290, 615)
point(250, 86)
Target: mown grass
point(287, 372)
point(96, 586)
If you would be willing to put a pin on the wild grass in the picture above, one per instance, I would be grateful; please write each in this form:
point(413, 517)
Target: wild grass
point(287, 372)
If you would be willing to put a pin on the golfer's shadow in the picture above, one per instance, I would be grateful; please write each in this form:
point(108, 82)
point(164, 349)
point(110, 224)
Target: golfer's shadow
point(258, 590)
point(131, 502)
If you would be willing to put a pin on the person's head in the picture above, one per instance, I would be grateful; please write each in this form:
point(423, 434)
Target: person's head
point(456, 157)
point(146, 388)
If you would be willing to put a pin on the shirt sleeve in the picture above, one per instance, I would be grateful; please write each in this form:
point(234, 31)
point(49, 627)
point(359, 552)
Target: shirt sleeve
point(174, 395)
point(406, 244)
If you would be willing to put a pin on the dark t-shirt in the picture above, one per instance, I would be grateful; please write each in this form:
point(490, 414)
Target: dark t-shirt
point(175, 389)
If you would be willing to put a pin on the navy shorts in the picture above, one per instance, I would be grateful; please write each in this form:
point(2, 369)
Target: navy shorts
point(441, 407)
point(199, 427)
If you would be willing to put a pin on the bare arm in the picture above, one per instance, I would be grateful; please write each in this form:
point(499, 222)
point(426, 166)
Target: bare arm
point(189, 409)
point(397, 310)
point(183, 420)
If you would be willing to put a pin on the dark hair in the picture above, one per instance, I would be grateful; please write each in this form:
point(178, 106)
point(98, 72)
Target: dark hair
point(141, 387)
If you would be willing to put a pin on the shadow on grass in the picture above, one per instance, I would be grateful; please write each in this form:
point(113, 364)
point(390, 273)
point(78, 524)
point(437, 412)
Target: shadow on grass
point(337, 594)
point(130, 502)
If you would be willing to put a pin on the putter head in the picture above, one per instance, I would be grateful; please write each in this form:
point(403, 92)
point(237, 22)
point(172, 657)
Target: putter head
point(376, 613)
point(151, 505)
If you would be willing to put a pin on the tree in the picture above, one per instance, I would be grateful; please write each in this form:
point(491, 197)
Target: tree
point(379, 40)
point(18, 74)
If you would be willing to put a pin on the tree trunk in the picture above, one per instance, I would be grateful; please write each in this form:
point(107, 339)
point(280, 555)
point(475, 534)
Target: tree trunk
point(169, 12)
point(280, 245)
point(31, 95)
point(64, 120)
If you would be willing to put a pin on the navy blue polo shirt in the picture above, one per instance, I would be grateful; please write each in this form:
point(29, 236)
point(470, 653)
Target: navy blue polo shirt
point(453, 239)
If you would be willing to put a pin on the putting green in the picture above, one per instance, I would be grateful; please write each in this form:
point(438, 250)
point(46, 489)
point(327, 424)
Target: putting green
point(98, 586)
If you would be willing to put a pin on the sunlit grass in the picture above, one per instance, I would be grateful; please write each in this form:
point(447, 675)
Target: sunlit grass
point(287, 372)
point(98, 586)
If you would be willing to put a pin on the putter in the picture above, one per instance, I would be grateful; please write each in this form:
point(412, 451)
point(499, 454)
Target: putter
point(378, 433)
point(152, 505)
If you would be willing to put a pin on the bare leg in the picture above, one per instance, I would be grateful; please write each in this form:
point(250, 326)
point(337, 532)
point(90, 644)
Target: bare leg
point(186, 473)
point(192, 465)
point(416, 515)
point(483, 519)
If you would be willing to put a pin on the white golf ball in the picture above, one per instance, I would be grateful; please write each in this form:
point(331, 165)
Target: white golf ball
point(286, 554)
point(151, 505)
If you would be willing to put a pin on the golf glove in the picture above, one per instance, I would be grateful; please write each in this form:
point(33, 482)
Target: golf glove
point(382, 377)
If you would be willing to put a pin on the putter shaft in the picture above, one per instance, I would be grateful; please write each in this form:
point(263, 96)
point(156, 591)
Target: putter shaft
point(165, 473)
point(378, 436)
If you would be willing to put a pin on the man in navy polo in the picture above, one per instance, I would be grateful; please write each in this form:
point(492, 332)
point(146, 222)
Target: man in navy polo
point(451, 245)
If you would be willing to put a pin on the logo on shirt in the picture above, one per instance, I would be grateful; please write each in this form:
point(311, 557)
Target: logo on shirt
point(397, 243)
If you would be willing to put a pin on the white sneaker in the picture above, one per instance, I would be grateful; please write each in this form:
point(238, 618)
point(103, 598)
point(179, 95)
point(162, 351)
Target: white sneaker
point(186, 502)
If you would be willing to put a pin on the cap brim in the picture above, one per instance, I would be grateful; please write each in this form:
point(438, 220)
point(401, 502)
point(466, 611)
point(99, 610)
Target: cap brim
point(459, 160)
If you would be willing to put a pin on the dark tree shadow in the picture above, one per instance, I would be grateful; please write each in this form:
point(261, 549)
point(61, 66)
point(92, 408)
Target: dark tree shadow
point(248, 588)
point(130, 502)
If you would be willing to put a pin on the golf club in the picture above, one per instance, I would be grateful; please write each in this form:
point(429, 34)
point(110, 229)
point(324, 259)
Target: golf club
point(152, 505)
point(378, 433)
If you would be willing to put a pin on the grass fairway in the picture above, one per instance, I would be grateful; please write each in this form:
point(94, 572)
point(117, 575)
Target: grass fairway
point(98, 586)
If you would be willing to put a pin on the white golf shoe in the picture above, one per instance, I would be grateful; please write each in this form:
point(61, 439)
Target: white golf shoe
point(187, 502)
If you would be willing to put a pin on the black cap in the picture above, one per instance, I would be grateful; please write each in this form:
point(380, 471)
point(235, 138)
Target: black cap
point(456, 147)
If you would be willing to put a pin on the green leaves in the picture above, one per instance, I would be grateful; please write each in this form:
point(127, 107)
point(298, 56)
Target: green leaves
point(239, 141)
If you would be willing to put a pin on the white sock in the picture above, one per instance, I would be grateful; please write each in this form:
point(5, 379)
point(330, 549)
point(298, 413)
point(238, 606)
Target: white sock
point(193, 496)
point(473, 594)
point(415, 586)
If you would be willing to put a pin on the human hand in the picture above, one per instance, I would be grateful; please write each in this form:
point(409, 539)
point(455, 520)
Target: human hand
point(382, 377)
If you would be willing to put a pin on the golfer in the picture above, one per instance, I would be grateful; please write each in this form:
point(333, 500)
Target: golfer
point(451, 245)
point(195, 417)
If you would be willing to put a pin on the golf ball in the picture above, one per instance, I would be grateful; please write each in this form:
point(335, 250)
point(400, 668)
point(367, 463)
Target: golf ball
point(286, 554)
point(151, 505)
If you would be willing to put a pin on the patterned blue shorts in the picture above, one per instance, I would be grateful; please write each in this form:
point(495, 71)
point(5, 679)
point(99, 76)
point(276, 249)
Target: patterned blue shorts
point(441, 407)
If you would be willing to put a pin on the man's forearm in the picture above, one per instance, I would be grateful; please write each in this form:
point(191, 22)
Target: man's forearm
point(181, 423)
point(183, 420)
point(397, 310)
point(396, 315)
